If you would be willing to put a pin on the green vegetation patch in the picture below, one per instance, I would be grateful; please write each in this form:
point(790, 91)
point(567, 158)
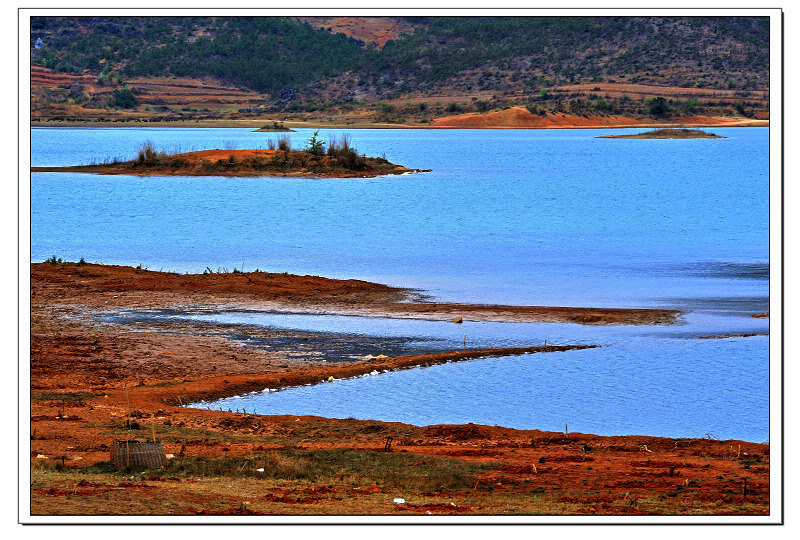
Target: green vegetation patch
point(63, 396)
point(356, 467)
point(168, 433)
point(57, 261)
point(263, 53)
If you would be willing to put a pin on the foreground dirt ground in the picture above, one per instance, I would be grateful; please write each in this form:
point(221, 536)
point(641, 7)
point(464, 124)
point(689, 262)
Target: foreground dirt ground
point(93, 382)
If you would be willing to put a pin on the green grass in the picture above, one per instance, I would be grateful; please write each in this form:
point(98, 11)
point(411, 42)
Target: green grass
point(177, 434)
point(353, 467)
point(746, 463)
point(174, 434)
point(65, 396)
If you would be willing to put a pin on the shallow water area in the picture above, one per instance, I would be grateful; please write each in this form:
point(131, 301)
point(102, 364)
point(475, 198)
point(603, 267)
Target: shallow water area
point(720, 319)
point(659, 393)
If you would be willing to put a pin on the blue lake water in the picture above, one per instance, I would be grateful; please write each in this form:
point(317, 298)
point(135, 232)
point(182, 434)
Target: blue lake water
point(649, 380)
point(543, 217)
point(645, 387)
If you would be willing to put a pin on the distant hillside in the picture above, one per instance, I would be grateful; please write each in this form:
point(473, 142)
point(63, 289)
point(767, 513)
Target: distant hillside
point(260, 53)
point(489, 62)
point(528, 53)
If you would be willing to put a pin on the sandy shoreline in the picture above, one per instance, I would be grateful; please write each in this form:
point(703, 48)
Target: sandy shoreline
point(94, 382)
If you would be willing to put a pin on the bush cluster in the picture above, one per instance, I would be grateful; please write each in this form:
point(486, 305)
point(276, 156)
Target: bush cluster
point(342, 149)
point(123, 98)
point(147, 153)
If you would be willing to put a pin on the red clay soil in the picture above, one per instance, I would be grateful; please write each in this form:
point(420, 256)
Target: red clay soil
point(120, 379)
point(216, 155)
point(123, 286)
point(119, 287)
point(520, 117)
point(375, 30)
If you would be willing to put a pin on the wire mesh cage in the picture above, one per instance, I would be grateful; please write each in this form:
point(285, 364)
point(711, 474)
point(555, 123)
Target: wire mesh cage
point(138, 454)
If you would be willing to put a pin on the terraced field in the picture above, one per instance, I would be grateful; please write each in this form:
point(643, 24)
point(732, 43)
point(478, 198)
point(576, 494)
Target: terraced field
point(152, 93)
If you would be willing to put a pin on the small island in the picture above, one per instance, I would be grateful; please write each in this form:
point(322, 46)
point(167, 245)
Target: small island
point(276, 127)
point(337, 159)
point(668, 133)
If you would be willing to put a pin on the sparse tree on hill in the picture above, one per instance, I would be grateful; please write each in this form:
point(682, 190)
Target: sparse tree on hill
point(658, 106)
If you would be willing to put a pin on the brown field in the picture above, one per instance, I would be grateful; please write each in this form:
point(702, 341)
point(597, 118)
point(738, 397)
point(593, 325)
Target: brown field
point(193, 93)
point(41, 76)
point(155, 90)
point(94, 382)
point(166, 98)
